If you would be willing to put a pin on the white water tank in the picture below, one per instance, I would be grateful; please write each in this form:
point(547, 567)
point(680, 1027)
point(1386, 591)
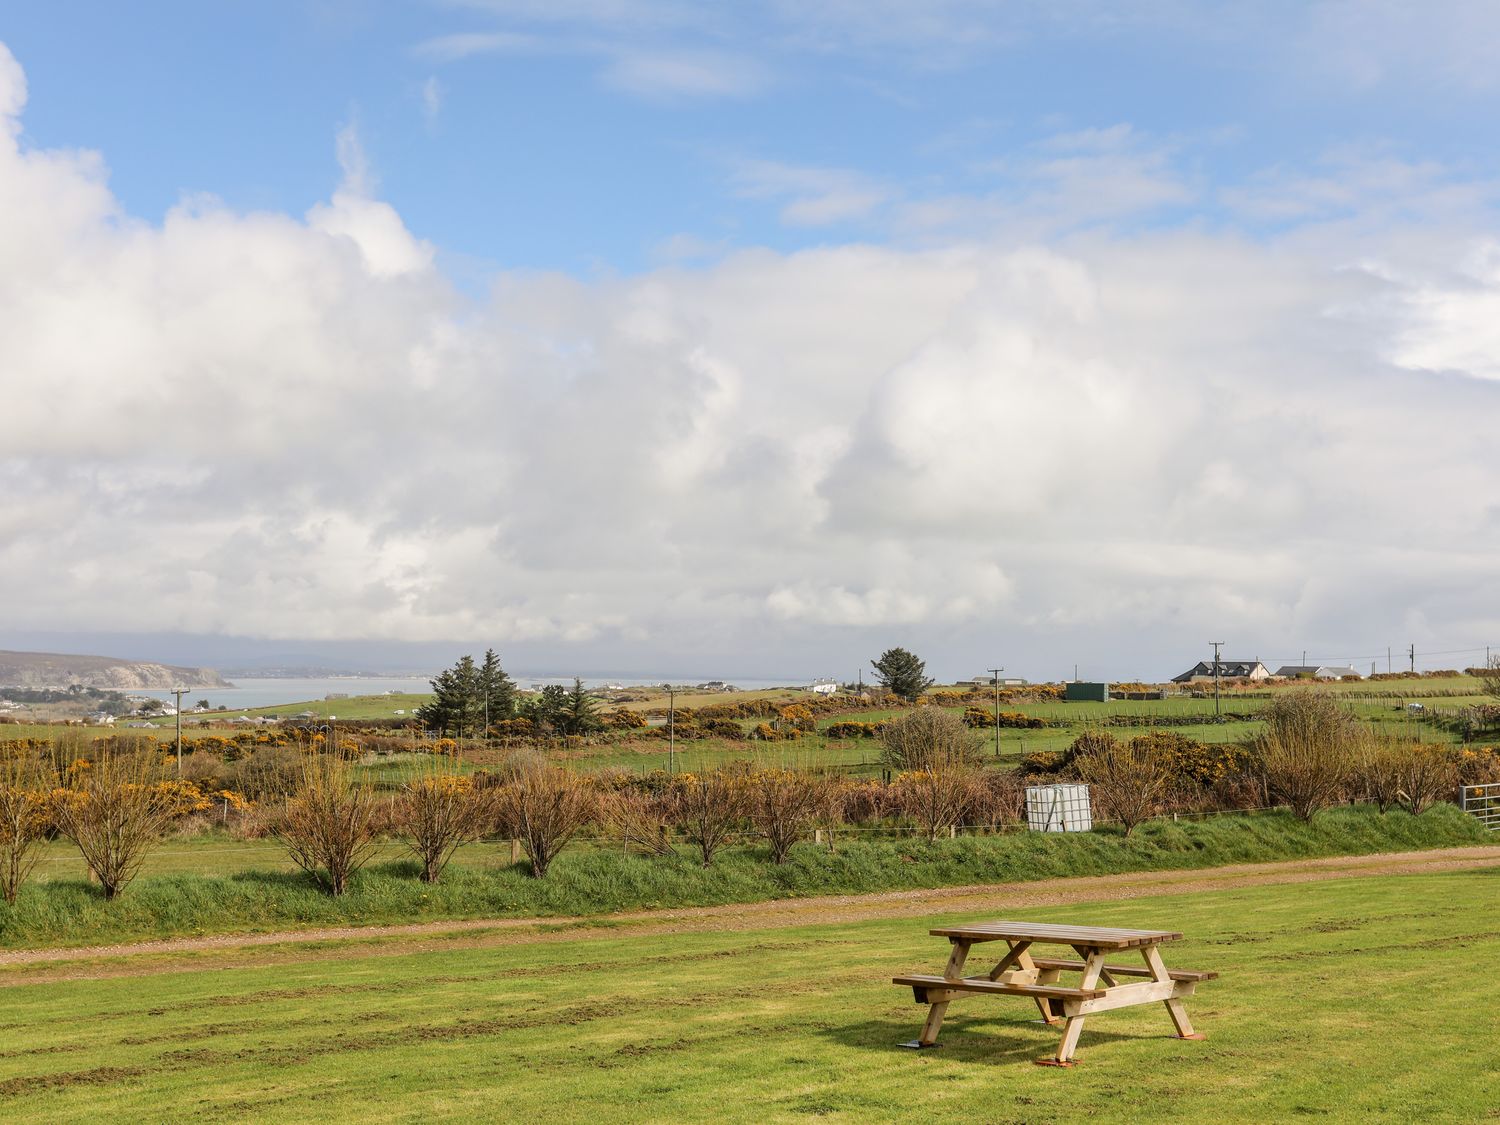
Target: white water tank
point(1058, 808)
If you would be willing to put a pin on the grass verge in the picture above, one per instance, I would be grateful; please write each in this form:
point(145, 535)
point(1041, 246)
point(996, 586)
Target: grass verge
point(72, 912)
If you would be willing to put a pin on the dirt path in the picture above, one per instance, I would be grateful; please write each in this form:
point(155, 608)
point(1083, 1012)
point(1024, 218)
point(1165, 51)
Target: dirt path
point(762, 915)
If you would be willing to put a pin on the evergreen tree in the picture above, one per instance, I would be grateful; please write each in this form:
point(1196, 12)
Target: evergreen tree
point(579, 711)
point(548, 708)
point(456, 706)
point(497, 691)
point(902, 673)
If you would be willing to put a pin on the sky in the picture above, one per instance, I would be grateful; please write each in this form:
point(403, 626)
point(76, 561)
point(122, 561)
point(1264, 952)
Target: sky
point(640, 337)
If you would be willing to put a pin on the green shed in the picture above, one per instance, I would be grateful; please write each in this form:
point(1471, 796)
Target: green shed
point(1079, 692)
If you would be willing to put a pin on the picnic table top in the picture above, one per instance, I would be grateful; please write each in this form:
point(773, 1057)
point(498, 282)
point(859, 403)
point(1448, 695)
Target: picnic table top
point(1093, 937)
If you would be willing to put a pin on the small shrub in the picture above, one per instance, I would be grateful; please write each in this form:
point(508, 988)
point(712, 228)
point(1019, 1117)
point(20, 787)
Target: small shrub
point(25, 817)
point(544, 806)
point(640, 817)
point(708, 807)
point(1307, 750)
point(327, 825)
point(1126, 780)
point(936, 798)
point(928, 739)
point(113, 808)
point(784, 805)
point(437, 812)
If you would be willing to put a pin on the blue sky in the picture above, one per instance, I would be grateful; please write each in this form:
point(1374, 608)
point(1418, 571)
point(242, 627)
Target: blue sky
point(608, 136)
point(650, 337)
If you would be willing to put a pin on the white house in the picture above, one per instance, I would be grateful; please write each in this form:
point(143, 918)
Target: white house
point(1318, 671)
point(824, 687)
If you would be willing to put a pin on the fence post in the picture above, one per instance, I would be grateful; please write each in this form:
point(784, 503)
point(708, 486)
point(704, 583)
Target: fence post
point(515, 850)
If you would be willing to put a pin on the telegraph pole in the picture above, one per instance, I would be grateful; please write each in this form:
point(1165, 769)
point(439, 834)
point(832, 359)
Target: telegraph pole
point(1412, 653)
point(178, 693)
point(1217, 645)
point(996, 673)
point(671, 725)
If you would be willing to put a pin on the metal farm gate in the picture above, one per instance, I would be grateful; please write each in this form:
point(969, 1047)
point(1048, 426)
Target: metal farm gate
point(1483, 803)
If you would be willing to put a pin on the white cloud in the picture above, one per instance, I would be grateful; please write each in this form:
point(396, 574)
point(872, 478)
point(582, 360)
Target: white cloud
point(811, 196)
point(655, 73)
point(432, 99)
point(257, 424)
point(462, 45)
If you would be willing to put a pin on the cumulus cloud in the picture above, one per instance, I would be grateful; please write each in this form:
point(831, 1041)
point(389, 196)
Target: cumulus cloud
point(277, 426)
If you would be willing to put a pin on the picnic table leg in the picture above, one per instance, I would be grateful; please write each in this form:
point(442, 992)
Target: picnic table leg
point(1021, 957)
point(1175, 1009)
point(934, 1022)
point(1093, 965)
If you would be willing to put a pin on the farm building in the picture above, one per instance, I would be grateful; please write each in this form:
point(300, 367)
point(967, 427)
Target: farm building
point(1228, 670)
point(824, 687)
point(1317, 672)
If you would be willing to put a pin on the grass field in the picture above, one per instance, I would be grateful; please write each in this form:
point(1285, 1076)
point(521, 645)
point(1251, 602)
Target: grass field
point(1359, 999)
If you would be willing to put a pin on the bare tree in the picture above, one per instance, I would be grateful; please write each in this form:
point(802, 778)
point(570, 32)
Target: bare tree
point(1128, 780)
point(1308, 750)
point(25, 817)
point(114, 808)
point(1406, 774)
point(1490, 677)
point(327, 826)
point(710, 806)
point(544, 806)
point(438, 811)
point(936, 798)
point(928, 738)
point(784, 805)
point(639, 818)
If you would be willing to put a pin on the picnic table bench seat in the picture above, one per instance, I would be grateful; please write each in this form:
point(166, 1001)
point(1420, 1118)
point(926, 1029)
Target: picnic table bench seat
point(922, 982)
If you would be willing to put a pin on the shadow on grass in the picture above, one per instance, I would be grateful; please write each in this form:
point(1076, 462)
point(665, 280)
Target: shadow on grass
point(986, 1039)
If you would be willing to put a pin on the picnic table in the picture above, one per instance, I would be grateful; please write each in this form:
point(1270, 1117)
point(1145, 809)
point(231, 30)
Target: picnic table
point(1018, 973)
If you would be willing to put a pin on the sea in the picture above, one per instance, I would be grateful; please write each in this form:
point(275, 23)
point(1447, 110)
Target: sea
point(249, 692)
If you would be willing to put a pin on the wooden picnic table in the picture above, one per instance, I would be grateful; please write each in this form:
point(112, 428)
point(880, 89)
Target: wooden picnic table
point(1018, 973)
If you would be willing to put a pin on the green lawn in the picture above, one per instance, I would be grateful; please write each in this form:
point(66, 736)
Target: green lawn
point(1354, 1000)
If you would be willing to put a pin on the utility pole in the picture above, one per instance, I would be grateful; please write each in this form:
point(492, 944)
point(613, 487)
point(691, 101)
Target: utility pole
point(1388, 659)
point(1304, 658)
point(1412, 653)
point(1217, 645)
point(178, 693)
point(996, 673)
point(671, 725)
